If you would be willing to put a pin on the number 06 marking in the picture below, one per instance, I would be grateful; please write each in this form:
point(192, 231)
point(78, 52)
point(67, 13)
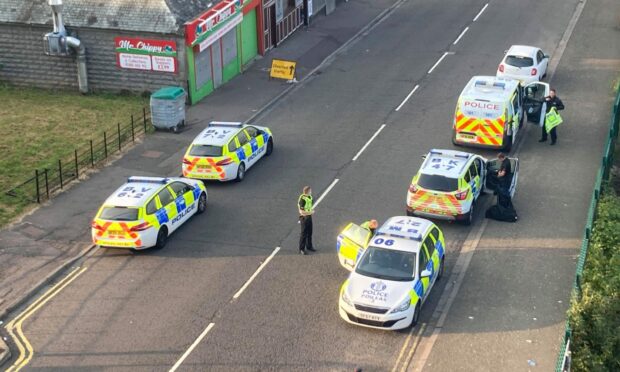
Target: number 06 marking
point(388, 242)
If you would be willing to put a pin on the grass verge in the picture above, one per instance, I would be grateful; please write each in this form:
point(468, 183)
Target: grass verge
point(40, 126)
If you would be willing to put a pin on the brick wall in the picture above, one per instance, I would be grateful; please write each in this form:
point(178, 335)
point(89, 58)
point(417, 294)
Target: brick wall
point(22, 61)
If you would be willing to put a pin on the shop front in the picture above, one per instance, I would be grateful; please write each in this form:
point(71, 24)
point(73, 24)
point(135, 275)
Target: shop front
point(218, 44)
point(280, 19)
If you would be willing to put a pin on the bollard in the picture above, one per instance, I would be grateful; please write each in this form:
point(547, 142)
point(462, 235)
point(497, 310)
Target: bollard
point(60, 172)
point(144, 118)
point(47, 187)
point(118, 127)
point(36, 182)
point(92, 154)
point(105, 145)
point(133, 137)
point(77, 173)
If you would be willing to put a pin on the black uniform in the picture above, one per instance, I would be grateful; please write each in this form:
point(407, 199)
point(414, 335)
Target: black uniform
point(305, 239)
point(551, 103)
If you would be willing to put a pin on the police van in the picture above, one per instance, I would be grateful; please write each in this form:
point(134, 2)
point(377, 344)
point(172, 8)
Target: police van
point(490, 112)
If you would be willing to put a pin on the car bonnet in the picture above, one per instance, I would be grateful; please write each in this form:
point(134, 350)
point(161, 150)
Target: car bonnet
point(377, 292)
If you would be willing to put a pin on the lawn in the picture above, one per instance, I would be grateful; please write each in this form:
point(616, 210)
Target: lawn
point(40, 126)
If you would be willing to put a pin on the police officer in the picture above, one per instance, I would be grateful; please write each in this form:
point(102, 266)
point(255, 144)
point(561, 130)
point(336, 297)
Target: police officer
point(305, 219)
point(370, 225)
point(553, 101)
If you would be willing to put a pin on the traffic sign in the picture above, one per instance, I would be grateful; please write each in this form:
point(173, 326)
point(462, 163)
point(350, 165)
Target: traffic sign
point(282, 69)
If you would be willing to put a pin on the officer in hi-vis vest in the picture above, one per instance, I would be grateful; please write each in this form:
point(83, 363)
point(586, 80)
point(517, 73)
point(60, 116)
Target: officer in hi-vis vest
point(304, 205)
point(553, 101)
point(370, 225)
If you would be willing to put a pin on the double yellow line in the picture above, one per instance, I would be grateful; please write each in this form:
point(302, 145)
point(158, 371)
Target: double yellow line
point(15, 326)
point(407, 353)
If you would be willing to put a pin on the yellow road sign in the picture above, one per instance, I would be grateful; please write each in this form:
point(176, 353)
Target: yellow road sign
point(282, 69)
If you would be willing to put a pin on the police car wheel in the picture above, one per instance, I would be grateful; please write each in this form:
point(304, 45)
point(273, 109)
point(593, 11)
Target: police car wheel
point(269, 147)
point(469, 217)
point(416, 315)
point(240, 172)
point(162, 238)
point(440, 273)
point(202, 203)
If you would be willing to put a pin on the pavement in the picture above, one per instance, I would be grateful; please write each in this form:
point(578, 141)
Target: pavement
point(143, 311)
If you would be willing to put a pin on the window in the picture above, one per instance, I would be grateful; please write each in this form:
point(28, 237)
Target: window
point(519, 61)
point(180, 188)
point(119, 214)
point(232, 145)
point(205, 150)
point(435, 234)
point(515, 102)
point(479, 165)
point(229, 46)
point(388, 264)
point(438, 183)
point(423, 262)
point(252, 132)
point(473, 172)
point(243, 138)
point(202, 68)
point(540, 55)
point(165, 197)
point(467, 176)
point(430, 246)
point(151, 207)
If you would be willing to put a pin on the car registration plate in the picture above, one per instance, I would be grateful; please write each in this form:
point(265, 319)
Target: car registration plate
point(369, 316)
point(203, 166)
point(466, 137)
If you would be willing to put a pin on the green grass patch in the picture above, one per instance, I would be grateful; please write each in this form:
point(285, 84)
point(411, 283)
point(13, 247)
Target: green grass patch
point(595, 318)
point(41, 126)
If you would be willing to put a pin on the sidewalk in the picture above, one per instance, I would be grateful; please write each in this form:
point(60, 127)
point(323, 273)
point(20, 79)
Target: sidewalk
point(37, 248)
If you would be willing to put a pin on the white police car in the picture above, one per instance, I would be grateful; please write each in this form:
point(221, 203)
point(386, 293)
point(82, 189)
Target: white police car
point(394, 275)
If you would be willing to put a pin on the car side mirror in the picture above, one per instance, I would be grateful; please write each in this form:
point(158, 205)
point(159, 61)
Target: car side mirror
point(545, 56)
point(425, 274)
point(423, 157)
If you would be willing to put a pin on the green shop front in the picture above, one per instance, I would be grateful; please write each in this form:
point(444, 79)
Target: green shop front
point(218, 44)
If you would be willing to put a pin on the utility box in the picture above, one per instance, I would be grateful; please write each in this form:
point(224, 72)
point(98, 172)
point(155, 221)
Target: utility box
point(168, 108)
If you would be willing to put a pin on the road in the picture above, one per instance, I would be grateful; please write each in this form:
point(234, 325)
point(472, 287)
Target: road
point(143, 311)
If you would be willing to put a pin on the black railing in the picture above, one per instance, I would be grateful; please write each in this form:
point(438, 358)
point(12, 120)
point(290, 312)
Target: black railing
point(45, 182)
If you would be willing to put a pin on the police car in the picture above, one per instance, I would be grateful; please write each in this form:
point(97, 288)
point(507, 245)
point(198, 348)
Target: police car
point(224, 151)
point(392, 277)
point(450, 182)
point(146, 210)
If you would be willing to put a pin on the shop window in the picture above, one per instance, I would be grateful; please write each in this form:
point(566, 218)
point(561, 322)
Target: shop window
point(229, 46)
point(202, 66)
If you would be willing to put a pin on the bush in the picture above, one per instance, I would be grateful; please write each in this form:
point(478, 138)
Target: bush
point(595, 318)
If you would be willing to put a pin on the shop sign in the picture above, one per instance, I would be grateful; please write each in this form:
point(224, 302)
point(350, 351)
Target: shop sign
point(197, 29)
point(282, 69)
point(220, 32)
point(146, 54)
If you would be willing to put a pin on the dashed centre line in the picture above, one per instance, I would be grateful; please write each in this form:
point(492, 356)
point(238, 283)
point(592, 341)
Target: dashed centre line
point(438, 62)
point(191, 348)
point(260, 268)
point(369, 141)
point(460, 36)
point(408, 96)
point(481, 11)
point(331, 186)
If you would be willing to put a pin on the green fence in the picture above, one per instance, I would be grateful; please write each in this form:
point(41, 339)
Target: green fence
point(563, 362)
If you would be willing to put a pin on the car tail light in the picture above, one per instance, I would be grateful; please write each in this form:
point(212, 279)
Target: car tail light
point(461, 195)
point(534, 72)
point(186, 161)
point(95, 225)
point(501, 67)
point(141, 227)
point(224, 161)
point(413, 188)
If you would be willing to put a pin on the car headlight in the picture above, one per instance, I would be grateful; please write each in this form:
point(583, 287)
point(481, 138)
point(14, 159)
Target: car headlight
point(403, 306)
point(346, 298)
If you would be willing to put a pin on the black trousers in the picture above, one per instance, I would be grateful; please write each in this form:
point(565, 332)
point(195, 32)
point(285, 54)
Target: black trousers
point(305, 239)
point(552, 132)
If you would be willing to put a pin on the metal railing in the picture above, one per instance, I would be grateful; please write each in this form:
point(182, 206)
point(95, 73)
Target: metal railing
point(44, 182)
point(564, 356)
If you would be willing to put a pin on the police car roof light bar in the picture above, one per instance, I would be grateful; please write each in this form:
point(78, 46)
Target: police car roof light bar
point(161, 180)
point(499, 84)
point(417, 237)
point(235, 124)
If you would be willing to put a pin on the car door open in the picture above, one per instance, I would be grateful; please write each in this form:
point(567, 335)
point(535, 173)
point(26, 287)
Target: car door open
point(534, 101)
point(350, 244)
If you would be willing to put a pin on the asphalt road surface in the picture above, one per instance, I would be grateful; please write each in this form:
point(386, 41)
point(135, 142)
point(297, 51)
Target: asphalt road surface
point(143, 311)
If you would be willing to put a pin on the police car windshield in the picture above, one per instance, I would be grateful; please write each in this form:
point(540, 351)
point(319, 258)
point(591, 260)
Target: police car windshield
point(205, 150)
point(119, 214)
point(387, 264)
point(518, 61)
point(437, 182)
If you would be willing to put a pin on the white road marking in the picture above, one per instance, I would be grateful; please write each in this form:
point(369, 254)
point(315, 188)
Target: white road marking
point(331, 186)
point(407, 98)
point(460, 36)
point(480, 12)
point(414, 346)
point(191, 348)
point(368, 143)
point(260, 268)
point(462, 263)
point(438, 62)
point(407, 340)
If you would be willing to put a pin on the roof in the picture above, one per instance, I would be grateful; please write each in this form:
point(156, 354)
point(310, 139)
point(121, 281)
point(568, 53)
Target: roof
point(522, 50)
point(158, 16)
point(217, 133)
point(447, 163)
point(490, 88)
point(406, 232)
point(136, 191)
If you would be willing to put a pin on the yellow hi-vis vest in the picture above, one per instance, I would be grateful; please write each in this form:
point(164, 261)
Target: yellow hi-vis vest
point(307, 202)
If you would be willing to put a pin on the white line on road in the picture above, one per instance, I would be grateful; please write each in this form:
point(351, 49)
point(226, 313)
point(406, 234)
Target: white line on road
point(559, 51)
point(368, 143)
point(480, 12)
point(460, 36)
point(438, 62)
point(407, 98)
point(260, 268)
point(186, 354)
point(331, 186)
